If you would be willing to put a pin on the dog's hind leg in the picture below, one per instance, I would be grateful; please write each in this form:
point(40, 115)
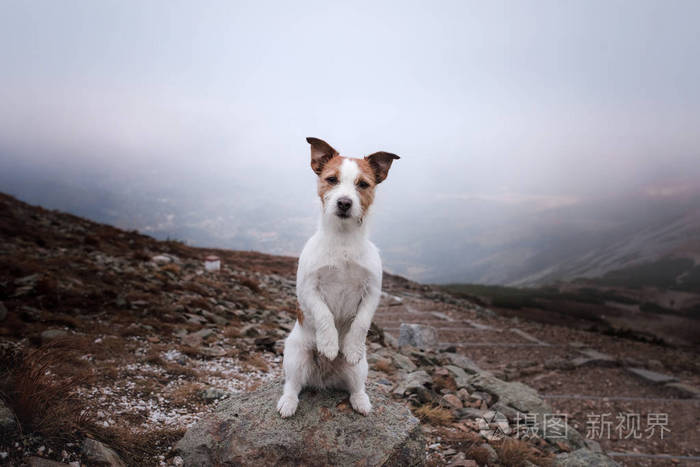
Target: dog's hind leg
point(355, 377)
point(297, 367)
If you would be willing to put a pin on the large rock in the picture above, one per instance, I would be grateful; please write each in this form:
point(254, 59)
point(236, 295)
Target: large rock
point(247, 430)
point(418, 335)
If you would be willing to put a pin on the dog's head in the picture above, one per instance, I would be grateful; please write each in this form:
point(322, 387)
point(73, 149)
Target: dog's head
point(346, 185)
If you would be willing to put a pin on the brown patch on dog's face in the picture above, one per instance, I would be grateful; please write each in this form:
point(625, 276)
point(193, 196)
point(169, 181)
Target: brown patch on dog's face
point(329, 176)
point(300, 316)
point(365, 183)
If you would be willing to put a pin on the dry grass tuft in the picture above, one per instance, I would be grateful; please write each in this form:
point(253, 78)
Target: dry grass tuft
point(186, 393)
point(436, 415)
point(258, 362)
point(135, 448)
point(385, 365)
point(514, 453)
point(43, 401)
point(233, 332)
point(479, 454)
point(249, 282)
point(172, 267)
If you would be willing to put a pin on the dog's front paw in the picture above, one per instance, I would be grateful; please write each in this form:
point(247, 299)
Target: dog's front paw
point(353, 351)
point(360, 402)
point(287, 405)
point(327, 344)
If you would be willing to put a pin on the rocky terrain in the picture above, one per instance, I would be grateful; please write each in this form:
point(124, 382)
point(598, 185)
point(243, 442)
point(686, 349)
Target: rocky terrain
point(115, 344)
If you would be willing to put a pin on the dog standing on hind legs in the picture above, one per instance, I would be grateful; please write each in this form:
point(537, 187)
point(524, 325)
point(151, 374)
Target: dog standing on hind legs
point(339, 282)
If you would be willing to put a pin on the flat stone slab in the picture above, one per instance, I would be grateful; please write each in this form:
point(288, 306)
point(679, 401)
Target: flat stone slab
point(593, 358)
point(596, 355)
point(527, 336)
point(584, 458)
point(652, 376)
point(686, 389)
point(483, 327)
point(247, 430)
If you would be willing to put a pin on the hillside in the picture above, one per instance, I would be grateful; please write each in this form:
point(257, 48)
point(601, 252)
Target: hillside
point(113, 336)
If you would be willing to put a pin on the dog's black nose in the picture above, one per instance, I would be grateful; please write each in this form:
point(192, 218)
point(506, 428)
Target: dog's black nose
point(344, 203)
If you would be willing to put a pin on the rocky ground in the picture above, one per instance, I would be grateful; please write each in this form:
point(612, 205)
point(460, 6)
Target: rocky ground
point(114, 344)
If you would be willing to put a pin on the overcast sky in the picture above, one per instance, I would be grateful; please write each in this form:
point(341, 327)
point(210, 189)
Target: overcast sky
point(544, 100)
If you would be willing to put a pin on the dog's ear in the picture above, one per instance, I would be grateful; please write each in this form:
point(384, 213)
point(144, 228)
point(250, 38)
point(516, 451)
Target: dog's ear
point(321, 152)
point(380, 163)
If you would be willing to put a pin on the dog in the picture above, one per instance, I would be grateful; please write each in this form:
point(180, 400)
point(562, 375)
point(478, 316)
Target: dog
point(339, 282)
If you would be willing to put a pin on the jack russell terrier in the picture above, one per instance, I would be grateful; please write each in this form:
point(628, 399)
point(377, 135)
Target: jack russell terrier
point(339, 282)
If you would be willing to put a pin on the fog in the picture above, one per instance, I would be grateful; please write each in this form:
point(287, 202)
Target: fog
point(523, 106)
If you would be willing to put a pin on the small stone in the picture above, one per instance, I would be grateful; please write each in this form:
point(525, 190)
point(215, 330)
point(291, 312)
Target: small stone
point(250, 330)
point(51, 334)
point(161, 259)
point(463, 394)
point(463, 362)
point(469, 412)
point(418, 335)
point(98, 454)
point(453, 401)
point(460, 376)
point(212, 351)
point(391, 341)
point(212, 394)
point(412, 382)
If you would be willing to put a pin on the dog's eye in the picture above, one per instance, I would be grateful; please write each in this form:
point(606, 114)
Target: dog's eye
point(363, 184)
point(332, 180)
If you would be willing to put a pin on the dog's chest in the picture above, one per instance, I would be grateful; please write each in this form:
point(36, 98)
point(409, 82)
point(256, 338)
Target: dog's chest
point(342, 287)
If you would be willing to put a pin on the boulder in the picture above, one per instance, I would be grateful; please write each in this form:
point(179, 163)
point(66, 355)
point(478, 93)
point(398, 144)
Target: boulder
point(418, 335)
point(247, 430)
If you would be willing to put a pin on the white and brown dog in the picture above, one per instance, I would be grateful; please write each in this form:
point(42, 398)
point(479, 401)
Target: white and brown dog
point(339, 282)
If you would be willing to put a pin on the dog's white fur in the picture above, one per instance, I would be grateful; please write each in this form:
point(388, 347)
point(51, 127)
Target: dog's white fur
point(338, 287)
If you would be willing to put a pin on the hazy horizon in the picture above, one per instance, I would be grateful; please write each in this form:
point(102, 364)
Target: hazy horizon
point(499, 111)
